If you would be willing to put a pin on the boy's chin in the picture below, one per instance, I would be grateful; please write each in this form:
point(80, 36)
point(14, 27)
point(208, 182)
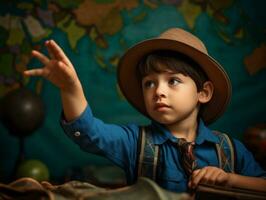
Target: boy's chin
point(163, 120)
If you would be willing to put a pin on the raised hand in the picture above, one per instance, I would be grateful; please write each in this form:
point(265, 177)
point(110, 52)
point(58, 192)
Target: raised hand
point(209, 175)
point(57, 69)
point(60, 71)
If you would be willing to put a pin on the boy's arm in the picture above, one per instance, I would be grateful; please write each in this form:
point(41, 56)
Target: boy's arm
point(73, 102)
point(216, 176)
point(59, 70)
point(246, 182)
point(117, 143)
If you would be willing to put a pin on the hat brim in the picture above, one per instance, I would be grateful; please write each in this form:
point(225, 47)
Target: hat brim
point(131, 87)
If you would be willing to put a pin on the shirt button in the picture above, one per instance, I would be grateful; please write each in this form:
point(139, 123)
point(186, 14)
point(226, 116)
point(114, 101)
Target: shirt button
point(77, 134)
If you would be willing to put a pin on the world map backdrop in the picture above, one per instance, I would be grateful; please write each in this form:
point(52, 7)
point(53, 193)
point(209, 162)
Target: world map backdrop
point(95, 33)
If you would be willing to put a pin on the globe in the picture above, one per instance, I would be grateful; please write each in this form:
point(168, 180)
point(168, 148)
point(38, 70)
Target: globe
point(22, 111)
point(255, 140)
point(34, 169)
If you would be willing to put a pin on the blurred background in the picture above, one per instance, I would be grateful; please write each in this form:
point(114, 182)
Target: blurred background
point(94, 34)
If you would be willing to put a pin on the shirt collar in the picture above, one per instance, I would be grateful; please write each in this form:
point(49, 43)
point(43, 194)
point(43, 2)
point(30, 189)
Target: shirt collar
point(163, 134)
point(205, 134)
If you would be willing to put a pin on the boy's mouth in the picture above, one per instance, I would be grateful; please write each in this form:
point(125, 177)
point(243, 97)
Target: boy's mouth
point(161, 106)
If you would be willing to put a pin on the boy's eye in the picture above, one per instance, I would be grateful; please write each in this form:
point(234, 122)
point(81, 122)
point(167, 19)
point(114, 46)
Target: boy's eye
point(148, 84)
point(174, 81)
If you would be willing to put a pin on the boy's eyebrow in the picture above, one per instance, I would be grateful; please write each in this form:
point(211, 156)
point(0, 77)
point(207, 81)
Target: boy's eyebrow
point(172, 72)
point(177, 74)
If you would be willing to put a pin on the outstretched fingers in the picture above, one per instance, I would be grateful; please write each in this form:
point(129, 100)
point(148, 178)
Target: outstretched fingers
point(41, 57)
point(55, 50)
point(50, 52)
point(36, 72)
point(56, 68)
point(41, 71)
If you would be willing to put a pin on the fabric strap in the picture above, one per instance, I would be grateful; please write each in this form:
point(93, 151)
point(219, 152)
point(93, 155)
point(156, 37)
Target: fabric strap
point(226, 152)
point(148, 156)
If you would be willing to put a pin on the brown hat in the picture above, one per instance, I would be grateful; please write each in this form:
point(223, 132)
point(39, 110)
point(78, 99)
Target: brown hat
point(181, 41)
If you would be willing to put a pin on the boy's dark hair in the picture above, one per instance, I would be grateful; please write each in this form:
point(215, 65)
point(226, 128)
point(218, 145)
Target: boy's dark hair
point(165, 60)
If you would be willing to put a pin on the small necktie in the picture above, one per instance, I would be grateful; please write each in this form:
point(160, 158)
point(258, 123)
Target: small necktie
point(188, 159)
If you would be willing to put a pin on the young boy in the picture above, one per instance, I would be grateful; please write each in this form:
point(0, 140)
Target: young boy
point(173, 81)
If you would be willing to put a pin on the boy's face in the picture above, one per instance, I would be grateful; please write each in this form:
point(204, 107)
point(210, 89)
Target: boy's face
point(170, 97)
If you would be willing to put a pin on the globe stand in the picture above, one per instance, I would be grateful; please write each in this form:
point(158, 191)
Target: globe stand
point(22, 112)
point(20, 156)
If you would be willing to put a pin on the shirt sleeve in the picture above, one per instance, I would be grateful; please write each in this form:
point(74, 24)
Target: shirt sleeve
point(246, 164)
point(116, 143)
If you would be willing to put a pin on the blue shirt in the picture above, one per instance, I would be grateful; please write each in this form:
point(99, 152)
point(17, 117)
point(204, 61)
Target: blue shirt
point(119, 144)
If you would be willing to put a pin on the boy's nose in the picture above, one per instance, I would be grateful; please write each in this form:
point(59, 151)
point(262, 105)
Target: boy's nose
point(160, 92)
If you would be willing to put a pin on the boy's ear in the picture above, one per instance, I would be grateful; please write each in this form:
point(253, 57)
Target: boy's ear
point(206, 93)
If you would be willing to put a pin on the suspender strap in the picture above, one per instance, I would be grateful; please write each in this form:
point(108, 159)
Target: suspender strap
point(225, 152)
point(148, 156)
point(149, 153)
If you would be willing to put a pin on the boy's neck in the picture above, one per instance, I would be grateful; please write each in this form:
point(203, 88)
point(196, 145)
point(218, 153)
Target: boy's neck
point(186, 129)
